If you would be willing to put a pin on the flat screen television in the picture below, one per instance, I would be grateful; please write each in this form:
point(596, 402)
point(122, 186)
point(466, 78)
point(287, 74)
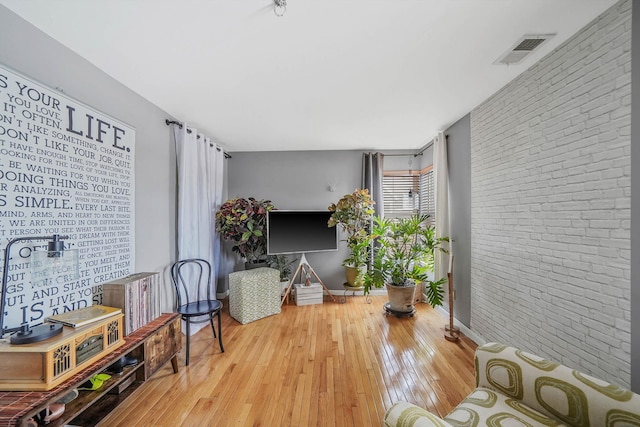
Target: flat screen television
point(291, 232)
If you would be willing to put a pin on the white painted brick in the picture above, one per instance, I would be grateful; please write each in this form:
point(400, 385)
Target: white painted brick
point(599, 214)
point(550, 197)
point(599, 223)
point(595, 122)
point(623, 326)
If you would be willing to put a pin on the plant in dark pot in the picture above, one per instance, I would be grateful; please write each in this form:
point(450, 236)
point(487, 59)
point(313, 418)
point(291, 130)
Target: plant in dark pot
point(354, 213)
point(284, 264)
point(403, 256)
point(243, 222)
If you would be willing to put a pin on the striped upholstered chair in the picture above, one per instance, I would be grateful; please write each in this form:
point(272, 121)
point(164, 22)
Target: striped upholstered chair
point(514, 388)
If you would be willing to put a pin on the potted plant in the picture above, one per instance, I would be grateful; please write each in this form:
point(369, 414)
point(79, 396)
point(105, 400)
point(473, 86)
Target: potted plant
point(404, 256)
point(284, 264)
point(244, 223)
point(354, 213)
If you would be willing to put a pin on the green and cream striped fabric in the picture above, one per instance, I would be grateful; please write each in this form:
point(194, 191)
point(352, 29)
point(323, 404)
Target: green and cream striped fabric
point(515, 388)
point(403, 414)
point(254, 294)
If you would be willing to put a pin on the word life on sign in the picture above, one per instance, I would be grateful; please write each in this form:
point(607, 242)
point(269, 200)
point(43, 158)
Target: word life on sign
point(64, 169)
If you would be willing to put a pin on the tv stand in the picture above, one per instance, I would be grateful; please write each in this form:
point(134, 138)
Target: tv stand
point(307, 270)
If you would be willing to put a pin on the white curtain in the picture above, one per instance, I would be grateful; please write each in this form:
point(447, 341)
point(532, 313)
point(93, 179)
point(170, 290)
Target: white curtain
point(441, 185)
point(217, 165)
point(200, 184)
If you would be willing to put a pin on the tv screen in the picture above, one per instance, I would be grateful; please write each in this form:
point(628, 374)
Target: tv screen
point(290, 232)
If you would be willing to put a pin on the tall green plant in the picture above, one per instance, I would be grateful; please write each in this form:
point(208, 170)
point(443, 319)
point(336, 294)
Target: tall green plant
point(404, 255)
point(354, 213)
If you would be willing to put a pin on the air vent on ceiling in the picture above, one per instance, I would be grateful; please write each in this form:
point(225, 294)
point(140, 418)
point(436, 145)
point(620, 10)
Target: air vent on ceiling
point(522, 48)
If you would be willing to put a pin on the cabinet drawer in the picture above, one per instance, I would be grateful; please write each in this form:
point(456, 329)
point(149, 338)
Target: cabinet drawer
point(162, 346)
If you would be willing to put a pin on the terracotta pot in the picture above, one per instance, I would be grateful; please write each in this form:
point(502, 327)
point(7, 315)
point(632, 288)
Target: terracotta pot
point(401, 297)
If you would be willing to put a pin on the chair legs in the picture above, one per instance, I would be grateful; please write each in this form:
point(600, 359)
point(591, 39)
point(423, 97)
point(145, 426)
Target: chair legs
point(215, 335)
point(220, 333)
point(188, 335)
point(212, 327)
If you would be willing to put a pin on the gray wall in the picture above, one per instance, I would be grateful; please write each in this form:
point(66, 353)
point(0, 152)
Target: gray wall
point(292, 180)
point(459, 159)
point(300, 180)
point(32, 53)
point(399, 160)
point(635, 201)
point(550, 197)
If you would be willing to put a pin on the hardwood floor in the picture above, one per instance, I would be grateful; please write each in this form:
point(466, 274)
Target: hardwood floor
point(319, 365)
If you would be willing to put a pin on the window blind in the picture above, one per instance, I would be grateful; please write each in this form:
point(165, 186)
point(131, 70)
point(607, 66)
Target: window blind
point(401, 195)
point(405, 195)
point(427, 196)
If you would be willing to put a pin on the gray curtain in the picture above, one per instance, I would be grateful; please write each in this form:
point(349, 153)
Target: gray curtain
point(372, 172)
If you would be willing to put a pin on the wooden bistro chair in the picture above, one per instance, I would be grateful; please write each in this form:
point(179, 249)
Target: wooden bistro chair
point(195, 302)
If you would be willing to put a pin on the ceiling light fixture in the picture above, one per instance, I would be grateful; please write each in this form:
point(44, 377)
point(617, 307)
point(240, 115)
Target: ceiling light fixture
point(280, 7)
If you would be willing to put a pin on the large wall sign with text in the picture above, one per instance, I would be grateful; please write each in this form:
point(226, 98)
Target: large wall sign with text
point(64, 169)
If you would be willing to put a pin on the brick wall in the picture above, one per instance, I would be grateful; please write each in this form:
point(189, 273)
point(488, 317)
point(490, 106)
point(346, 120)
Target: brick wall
point(550, 197)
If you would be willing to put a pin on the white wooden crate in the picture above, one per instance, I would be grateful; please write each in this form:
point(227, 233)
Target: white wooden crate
point(307, 295)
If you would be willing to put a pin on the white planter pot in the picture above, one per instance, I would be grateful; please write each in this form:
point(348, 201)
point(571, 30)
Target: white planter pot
point(283, 286)
point(401, 298)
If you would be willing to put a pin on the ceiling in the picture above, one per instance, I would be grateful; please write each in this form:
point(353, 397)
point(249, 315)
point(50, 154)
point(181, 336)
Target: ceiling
point(329, 74)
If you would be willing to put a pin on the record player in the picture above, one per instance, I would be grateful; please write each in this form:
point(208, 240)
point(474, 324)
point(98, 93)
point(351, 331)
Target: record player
point(43, 365)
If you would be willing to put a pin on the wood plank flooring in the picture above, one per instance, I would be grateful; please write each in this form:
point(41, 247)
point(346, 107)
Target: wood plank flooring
point(319, 365)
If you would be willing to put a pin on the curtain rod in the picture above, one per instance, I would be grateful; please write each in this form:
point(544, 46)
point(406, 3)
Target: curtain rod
point(402, 155)
point(420, 153)
point(426, 147)
point(429, 144)
point(173, 122)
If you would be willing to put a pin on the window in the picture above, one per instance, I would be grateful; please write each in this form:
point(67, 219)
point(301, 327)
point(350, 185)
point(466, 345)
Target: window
point(401, 195)
point(427, 196)
point(408, 193)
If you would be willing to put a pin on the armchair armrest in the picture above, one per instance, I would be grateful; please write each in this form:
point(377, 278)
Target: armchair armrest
point(404, 414)
point(555, 390)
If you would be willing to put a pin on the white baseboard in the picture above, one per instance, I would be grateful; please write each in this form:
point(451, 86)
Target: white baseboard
point(222, 295)
point(373, 292)
point(478, 339)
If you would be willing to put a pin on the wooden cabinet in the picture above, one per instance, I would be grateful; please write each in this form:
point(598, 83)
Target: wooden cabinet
point(161, 346)
point(153, 345)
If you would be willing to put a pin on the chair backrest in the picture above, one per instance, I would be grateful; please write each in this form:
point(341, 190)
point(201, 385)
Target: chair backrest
point(569, 396)
point(192, 280)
